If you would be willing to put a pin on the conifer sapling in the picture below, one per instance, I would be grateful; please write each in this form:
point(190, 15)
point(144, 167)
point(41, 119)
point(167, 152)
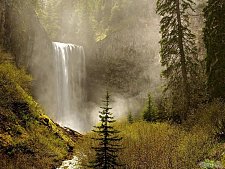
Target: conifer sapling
point(108, 139)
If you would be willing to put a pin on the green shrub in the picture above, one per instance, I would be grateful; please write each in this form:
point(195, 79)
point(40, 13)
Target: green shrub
point(14, 83)
point(155, 146)
point(210, 117)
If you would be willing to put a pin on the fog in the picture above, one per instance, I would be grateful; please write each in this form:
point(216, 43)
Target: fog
point(120, 40)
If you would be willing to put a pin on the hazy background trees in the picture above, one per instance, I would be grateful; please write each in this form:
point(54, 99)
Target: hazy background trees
point(120, 39)
point(121, 44)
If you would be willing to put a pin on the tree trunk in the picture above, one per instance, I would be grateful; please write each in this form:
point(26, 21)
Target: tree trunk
point(183, 60)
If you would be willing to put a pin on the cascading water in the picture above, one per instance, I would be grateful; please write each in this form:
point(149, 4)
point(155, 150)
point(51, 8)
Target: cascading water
point(69, 85)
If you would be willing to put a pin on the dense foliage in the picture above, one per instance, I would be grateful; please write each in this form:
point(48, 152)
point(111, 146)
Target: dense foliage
point(178, 52)
point(214, 42)
point(150, 112)
point(156, 146)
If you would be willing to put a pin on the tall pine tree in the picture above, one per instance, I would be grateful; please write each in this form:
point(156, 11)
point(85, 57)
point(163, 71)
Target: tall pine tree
point(178, 52)
point(214, 38)
point(108, 147)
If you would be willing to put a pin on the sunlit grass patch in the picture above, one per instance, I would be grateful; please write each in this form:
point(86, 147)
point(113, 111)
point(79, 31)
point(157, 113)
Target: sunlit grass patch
point(154, 145)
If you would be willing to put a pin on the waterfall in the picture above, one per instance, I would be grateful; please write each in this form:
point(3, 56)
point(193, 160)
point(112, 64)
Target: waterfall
point(70, 75)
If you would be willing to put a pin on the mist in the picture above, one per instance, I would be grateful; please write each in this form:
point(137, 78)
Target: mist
point(121, 50)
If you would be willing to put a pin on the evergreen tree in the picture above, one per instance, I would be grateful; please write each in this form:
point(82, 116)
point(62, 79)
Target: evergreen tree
point(108, 147)
point(130, 118)
point(178, 51)
point(149, 114)
point(214, 39)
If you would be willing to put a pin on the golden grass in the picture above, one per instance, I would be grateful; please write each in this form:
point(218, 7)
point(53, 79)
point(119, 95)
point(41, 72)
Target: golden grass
point(154, 146)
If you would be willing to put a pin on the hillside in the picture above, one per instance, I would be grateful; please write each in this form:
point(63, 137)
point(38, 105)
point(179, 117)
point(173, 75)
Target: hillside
point(28, 138)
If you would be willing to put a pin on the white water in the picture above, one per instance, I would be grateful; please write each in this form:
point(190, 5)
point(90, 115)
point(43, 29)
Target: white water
point(69, 85)
point(70, 164)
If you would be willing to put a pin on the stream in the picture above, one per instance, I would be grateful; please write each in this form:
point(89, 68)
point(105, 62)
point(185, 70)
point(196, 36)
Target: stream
point(70, 164)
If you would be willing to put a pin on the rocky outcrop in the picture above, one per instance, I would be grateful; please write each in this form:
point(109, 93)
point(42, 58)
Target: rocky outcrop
point(22, 34)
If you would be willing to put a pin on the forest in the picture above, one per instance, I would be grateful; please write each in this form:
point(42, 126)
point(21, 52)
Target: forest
point(106, 84)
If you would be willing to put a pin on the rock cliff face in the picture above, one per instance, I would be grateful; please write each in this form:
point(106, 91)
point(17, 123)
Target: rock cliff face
point(16, 32)
point(22, 34)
